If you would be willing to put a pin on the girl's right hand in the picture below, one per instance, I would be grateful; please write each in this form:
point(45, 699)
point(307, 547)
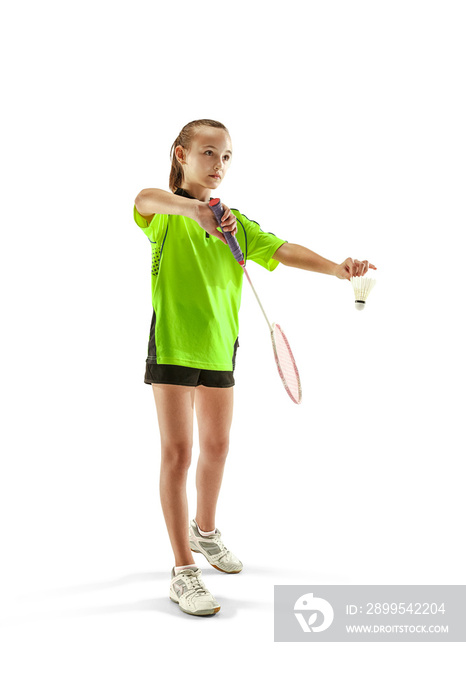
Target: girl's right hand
point(206, 219)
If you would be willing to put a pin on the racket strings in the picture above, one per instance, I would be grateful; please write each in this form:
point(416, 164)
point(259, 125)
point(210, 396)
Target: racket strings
point(286, 364)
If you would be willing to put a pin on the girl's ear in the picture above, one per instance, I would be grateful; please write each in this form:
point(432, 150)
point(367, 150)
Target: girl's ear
point(179, 154)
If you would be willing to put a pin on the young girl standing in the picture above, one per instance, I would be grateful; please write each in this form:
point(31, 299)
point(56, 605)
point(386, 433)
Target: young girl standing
point(196, 295)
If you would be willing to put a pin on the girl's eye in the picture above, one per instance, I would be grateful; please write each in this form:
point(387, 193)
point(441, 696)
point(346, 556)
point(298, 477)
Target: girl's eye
point(208, 153)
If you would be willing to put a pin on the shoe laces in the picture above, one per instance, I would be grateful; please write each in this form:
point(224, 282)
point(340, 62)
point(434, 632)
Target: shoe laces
point(195, 583)
point(224, 551)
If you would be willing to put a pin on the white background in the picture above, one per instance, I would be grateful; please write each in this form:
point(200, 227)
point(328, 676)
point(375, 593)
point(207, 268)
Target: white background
point(347, 121)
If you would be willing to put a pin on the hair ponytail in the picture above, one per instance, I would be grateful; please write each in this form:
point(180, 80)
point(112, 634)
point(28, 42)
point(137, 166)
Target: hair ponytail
point(184, 139)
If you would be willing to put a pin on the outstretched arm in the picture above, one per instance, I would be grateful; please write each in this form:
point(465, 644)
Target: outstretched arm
point(295, 255)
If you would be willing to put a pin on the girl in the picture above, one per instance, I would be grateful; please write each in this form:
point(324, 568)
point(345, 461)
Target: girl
point(196, 294)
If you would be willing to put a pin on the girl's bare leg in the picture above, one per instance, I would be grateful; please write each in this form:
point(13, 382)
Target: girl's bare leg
point(175, 415)
point(214, 412)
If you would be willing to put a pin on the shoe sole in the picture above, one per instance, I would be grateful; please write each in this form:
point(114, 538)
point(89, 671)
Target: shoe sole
point(201, 613)
point(216, 567)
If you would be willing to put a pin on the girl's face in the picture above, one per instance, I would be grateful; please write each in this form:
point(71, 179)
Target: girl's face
point(206, 163)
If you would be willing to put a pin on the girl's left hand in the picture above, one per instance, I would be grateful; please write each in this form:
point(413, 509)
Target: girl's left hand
point(353, 268)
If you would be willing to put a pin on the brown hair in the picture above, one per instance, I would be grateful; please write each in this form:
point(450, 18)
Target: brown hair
point(184, 139)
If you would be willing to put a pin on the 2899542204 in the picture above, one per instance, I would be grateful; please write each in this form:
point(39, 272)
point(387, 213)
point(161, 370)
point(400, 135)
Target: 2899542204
point(404, 608)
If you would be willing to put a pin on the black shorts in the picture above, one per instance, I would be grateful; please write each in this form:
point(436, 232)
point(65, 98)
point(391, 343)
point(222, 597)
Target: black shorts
point(187, 376)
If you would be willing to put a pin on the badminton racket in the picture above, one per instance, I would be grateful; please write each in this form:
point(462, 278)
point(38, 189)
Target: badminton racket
point(286, 364)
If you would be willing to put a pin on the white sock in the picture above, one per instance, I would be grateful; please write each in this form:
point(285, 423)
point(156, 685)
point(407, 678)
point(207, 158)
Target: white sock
point(205, 534)
point(185, 566)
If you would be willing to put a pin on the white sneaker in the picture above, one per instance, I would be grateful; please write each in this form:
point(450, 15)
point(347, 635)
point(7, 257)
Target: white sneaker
point(188, 590)
point(214, 550)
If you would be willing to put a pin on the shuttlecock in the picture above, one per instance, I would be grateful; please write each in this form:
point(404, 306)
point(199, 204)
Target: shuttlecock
point(362, 287)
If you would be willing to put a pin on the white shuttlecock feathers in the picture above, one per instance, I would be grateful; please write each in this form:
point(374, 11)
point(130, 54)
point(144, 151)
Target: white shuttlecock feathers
point(362, 287)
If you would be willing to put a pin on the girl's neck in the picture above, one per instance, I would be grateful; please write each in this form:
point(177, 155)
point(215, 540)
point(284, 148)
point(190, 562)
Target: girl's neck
point(197, 191)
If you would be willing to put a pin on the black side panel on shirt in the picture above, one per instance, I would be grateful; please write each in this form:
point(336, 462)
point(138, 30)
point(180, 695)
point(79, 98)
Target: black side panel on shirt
point(233, 361)
point(151, 348)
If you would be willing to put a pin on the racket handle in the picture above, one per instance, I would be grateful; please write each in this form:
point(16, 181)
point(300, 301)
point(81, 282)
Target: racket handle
point(217, 208)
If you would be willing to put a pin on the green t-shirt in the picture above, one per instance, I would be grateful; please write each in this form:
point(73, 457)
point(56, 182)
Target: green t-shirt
point(196, 288)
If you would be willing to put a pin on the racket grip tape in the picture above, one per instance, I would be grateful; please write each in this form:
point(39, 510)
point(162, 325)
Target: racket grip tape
point(217, 208)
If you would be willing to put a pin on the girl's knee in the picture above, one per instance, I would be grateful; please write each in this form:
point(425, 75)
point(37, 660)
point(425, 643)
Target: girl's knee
point(177, 457)
point(215, 449)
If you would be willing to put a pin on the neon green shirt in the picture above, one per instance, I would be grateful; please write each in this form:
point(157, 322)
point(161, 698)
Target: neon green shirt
point(196, 288)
